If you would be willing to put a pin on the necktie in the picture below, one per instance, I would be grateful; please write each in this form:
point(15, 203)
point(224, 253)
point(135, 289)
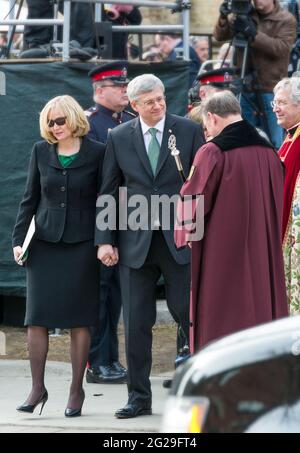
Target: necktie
point(117, 116)
point(153, 149)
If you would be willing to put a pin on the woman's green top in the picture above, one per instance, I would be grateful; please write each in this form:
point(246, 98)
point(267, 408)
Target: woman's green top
point(67, 160)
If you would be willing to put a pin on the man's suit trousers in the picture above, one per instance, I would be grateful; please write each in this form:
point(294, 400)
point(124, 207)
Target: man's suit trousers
point(138, 288)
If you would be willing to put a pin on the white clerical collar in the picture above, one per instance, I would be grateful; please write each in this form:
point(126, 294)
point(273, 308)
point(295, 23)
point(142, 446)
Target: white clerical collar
point(159, 126)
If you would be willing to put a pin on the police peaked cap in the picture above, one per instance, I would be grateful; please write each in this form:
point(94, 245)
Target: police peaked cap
point(115, 71)
point(218, 77)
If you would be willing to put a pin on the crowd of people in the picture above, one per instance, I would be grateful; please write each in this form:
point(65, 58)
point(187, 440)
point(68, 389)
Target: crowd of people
point(243, 270)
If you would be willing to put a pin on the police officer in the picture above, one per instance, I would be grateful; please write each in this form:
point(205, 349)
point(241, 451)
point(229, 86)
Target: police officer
point(209, 82)
point(110, 85)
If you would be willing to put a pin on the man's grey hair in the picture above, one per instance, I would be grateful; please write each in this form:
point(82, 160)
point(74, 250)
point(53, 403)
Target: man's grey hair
point(223, 104)
point(143, 84)
point(292, 85)
point(196, 39)
point(98, 84)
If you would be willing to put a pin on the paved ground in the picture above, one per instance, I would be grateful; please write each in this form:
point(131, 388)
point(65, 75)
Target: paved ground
point(97, 415)
point(100, 403)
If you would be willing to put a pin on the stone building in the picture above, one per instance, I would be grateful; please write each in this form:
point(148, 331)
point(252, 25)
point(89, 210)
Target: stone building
point(203, 15)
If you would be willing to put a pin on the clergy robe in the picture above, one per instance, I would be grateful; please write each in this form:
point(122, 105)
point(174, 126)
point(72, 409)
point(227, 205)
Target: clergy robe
point(237, 268)
point(289, 153)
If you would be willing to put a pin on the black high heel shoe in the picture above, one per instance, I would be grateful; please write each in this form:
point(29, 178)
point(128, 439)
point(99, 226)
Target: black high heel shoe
point(74, 412)
point(29, 408)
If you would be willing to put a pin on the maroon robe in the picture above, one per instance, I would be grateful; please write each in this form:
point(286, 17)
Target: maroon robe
point(237, 268)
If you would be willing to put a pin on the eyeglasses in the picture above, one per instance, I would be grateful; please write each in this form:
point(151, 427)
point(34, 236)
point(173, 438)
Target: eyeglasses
point(120, 85)
point(58, 121)
point(279, 103)
point(152, 102)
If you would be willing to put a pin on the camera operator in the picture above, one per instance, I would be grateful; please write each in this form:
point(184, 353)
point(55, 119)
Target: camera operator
point(270, 31)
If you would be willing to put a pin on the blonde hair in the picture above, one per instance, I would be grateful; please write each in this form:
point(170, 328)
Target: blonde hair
point(196, 114)
point(75, 117)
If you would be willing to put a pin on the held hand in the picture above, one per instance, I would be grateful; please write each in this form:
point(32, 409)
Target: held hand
point(246, 26)
point(17, 253)
point(107, 255)
point(116, 253)
point(124, 8)
point(114, 11)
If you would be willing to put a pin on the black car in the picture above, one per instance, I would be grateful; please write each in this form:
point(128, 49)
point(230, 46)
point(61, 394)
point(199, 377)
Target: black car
point(246, 382)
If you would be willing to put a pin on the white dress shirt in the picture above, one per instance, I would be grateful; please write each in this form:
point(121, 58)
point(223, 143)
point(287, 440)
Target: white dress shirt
point(147, 138)
point(146, 134)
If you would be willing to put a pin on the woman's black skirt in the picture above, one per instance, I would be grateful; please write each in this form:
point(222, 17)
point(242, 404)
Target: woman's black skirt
point(62, 284)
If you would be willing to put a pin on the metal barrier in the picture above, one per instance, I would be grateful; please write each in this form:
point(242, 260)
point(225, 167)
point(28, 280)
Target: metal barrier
point(180, 6)
point(2, 84)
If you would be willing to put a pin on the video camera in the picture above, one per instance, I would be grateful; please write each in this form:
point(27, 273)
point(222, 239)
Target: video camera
point(239, 7)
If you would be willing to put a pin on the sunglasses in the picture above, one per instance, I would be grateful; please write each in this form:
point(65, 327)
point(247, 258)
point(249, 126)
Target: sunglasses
point(58, 121)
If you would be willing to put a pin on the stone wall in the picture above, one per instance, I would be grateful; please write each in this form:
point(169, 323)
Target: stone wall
point(203, 16)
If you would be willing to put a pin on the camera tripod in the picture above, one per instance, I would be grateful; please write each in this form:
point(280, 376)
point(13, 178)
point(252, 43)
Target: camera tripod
point(239, 42)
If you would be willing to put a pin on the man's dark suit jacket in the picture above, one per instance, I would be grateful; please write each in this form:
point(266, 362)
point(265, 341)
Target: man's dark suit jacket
point(62, 199)
point(126, 164)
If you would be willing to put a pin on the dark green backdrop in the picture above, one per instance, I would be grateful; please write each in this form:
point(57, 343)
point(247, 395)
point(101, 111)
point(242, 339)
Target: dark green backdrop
point(28, 88)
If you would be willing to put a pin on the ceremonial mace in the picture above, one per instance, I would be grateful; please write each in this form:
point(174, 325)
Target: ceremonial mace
point(176, 154)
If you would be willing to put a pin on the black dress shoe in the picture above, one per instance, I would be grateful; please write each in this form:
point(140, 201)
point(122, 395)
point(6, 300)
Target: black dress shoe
point(104, 375)
point(132, 410)
point(118, 367)
point(37, 52)
point(167, 383)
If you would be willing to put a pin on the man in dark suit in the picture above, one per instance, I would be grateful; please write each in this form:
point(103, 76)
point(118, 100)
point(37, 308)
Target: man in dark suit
point(110, 84)
point(139, 160)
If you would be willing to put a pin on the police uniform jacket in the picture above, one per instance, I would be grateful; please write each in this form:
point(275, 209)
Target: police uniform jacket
point(62, 199)
point(102, 119)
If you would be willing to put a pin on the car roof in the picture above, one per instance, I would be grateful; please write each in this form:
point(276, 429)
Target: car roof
point(256, 344)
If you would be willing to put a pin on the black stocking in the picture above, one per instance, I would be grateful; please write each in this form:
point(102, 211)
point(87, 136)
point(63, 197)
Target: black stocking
point(38, 342)
point(80, 346)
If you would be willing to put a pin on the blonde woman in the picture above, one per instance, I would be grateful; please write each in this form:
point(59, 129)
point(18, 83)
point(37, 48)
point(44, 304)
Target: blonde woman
point(62, 271)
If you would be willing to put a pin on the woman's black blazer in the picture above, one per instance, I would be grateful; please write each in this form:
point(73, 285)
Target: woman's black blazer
point(62, 199)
